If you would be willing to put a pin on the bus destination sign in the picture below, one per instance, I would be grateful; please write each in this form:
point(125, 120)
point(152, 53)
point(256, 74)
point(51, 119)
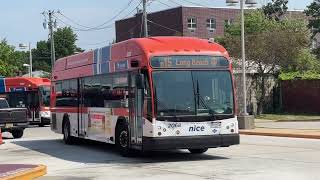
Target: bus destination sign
point(189, 62)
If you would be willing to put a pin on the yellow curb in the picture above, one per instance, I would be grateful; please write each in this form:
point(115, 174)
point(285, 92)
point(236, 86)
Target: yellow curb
point(307, 136)
point(28, 175)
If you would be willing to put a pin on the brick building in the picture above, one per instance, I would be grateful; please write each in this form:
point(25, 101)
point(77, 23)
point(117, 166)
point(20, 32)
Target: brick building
point(180, 21)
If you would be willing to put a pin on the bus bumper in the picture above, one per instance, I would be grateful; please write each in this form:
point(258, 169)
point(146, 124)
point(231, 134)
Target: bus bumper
point(190, 142)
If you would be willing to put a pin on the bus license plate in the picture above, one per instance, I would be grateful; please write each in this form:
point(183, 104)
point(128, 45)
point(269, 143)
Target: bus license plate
point(9, 125)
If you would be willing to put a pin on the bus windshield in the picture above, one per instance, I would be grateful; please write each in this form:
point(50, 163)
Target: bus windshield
point(45, 95)
point(193, 92)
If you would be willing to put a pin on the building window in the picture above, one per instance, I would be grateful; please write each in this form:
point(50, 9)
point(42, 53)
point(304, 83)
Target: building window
point(192, 23)
point(211, 24)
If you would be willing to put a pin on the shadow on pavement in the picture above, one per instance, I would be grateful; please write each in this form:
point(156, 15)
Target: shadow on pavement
point(95, 152)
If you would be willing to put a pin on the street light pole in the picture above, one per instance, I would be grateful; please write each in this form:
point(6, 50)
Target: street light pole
point(30, 60)
point(24, 46)
point(243, 49)
point(245, 121)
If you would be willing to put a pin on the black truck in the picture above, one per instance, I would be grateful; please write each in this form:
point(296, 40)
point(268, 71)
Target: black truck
point(13, 120)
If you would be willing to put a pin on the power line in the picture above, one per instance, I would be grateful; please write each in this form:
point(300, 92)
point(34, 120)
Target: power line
point(191, 2)
point(160, 2)
point(102, 26)
point(175, 2)
point(75, 22)
point(114, 17)
point(164, 26)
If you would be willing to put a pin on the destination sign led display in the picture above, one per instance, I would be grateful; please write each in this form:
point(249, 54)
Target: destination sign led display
point(198, 61)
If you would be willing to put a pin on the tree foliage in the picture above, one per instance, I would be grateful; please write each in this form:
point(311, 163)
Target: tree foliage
point(275, 9)
point(313, 11)
point(11, 61)
point(65, 45)
point(271, 46)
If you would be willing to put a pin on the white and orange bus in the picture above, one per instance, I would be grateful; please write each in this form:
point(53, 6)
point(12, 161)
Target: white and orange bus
point(146, 94)
point(28, 92)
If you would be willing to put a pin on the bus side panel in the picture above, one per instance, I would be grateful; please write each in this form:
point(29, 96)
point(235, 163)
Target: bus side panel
point(73, 118)
point(102, 123)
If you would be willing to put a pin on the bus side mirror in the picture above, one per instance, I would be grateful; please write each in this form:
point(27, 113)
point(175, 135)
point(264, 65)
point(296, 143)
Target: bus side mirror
point(140, 81)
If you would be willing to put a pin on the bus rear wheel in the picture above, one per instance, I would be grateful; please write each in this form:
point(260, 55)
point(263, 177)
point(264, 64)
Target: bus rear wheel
point(198, 151)
point(122, 140)
point(67, 138)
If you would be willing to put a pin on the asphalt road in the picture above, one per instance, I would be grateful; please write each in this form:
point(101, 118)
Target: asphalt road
point(261, 158)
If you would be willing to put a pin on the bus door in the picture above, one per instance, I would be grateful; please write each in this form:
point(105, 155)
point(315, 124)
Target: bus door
point(82, 115)
point(136, 110)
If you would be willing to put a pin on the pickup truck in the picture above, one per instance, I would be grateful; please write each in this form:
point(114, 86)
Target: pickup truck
point(13, 120)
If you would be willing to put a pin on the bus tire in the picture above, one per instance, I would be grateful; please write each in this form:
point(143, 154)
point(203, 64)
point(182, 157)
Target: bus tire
point(17, 133)
point(67, 138)
point(198, 151)
point(122, 140)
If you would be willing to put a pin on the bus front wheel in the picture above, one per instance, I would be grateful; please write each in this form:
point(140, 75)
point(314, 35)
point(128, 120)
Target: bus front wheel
point(67, 138)
point(198, 151)
point(122, 140)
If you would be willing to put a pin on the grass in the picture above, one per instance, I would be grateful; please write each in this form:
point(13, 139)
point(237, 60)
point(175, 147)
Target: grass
point(288, 117)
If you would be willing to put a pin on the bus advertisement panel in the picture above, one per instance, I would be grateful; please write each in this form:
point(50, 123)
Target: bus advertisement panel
point(154, 93)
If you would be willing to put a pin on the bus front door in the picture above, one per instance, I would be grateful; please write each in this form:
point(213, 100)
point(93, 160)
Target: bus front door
point(136, 113)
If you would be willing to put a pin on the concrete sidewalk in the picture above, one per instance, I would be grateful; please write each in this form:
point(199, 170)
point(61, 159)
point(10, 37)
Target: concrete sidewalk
point(21, 171)
point(295, 133)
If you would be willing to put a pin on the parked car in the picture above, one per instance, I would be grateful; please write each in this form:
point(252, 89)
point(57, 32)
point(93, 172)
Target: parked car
point(13, 120)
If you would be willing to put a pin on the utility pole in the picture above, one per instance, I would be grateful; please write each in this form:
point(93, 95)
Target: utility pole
point(53, 56)
point(145, 20)
point(51, 25)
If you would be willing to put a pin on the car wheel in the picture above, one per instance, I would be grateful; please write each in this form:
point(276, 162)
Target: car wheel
point(17, 133)
point(198, 151)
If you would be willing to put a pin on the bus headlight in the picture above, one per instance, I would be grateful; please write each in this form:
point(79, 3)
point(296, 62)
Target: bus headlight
point(45, 114)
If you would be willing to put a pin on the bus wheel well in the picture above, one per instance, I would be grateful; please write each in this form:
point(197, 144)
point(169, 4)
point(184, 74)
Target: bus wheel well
point(120, 121)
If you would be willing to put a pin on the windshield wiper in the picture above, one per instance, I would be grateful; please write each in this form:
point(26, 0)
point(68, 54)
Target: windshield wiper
point(203, 102)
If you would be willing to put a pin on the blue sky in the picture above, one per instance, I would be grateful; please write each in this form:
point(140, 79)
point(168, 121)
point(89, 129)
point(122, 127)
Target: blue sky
point(21, 21)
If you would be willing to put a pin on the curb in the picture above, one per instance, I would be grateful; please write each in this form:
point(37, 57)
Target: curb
point(30, 174)
point(291, 135)
point(310, 120)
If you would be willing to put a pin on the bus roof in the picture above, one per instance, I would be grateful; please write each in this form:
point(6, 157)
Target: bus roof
point(166, 45)
point(119, 56)
point(18, 83)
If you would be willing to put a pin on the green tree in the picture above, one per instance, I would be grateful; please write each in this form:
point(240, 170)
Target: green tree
point(65, 45)
point(313, 11)
point(11, 61)
point(271, 46)
point(275, 9)
point(65, 42)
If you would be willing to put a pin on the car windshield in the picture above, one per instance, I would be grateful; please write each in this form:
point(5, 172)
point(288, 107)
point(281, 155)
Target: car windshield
point(3, 104)
point(45, 95)
point(193, 92)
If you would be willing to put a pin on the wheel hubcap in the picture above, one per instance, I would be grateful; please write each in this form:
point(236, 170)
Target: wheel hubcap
point(123, 139)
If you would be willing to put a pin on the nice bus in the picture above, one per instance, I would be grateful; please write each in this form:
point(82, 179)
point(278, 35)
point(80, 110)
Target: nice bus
point(147, 94)
point(31, 93)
